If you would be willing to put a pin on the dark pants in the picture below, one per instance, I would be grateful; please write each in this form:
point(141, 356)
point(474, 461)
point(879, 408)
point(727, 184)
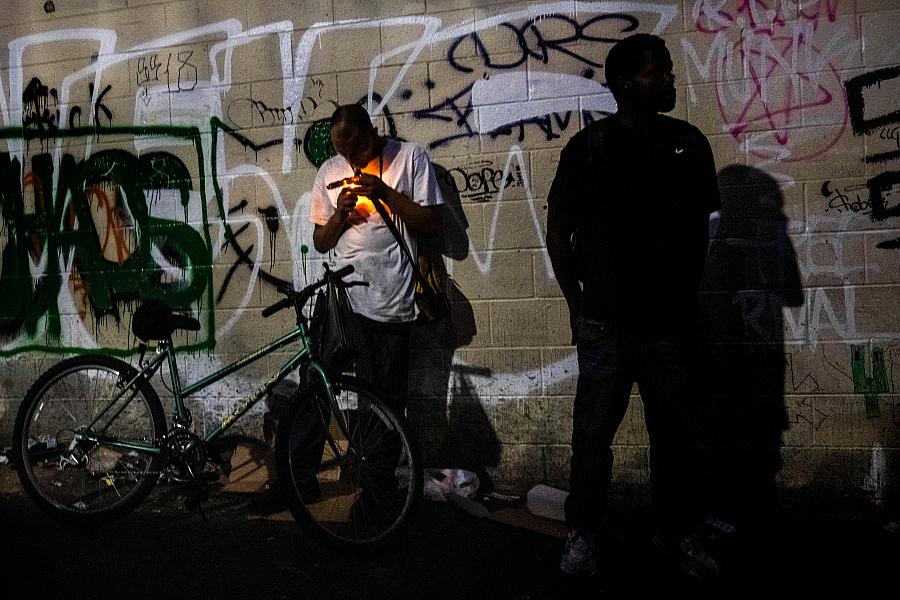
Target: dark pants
point(609, 362)
point(385, 361)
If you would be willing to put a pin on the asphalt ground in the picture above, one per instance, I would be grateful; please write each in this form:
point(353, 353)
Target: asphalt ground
point(163, 550)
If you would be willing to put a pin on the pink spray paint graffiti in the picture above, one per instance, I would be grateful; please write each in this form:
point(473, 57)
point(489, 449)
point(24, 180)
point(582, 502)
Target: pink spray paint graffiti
point(790, 79)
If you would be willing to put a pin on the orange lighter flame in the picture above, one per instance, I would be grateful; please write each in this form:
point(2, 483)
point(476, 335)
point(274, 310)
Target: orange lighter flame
point(364, 205)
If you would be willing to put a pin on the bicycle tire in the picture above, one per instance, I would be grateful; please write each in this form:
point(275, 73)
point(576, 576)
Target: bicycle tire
point(86, 483)
point(361, 494)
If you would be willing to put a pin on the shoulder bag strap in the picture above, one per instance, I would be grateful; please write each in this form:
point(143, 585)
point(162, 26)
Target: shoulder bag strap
point(379, 206)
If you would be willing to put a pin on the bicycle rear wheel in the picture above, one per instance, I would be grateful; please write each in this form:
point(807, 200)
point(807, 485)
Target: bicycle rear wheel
point(351, 493)
point(74, 479)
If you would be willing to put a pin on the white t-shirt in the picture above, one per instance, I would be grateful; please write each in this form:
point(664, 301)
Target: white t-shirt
point(367, 243)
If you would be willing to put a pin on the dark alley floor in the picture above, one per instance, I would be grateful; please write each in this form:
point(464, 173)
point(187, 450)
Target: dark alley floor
point(163, 551)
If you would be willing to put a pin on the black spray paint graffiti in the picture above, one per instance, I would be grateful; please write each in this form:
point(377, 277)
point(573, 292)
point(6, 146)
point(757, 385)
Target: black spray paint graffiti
point(36, 112)
point(270, 214)
point(537, 39)
point(882, 186)
point(261, 113)
point(852, 198)
point(458, 110)
point(540, 37)
point(99, 108)
point(480, 182)
point(857, 89)
point(99, 216)
point(148, 71)
point(35, 107)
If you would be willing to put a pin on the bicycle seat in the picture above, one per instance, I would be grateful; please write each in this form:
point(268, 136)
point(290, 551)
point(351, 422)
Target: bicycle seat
point(155, 320)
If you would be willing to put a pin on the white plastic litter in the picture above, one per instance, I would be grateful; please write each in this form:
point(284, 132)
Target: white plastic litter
point(456, 486)
point(440, 483)
point(548, 502)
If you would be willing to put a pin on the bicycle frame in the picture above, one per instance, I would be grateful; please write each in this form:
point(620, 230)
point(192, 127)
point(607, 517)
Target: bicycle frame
point(165, 352)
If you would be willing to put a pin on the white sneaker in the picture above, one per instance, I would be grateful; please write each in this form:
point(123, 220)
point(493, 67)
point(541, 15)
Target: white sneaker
point(578, 557)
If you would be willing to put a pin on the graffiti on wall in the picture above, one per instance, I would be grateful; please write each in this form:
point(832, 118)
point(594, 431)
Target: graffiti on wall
point(82, 240)
point(496, 81)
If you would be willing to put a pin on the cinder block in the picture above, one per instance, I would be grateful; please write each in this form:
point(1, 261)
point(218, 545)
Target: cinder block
point(354, 86)
point(848, 424)
point(443, 132)
point(880, 32)
point(512, 224)
point(503, 372)
point(812, 153)
point(882, 263)
point(529, 323)
point(556, 459)
point(824, 369)
point(875, 311)
point(302, 14)
point(559, 371)
point(831, 258)
point(496, 275)
point(727, 150)
point(330, 50)
point(362, 9)
point(559, 419)
point(815, 471)
point(512, 420)
point(520, 466)
point(397, 36)
point(457, 20)
point(197, 13)
point(550, 127)
point(545, 284)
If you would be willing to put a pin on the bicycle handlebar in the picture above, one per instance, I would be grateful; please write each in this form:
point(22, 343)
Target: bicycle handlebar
point(295, 298)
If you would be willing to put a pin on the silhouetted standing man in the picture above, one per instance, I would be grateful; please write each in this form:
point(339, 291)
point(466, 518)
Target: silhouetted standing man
point(635, 190)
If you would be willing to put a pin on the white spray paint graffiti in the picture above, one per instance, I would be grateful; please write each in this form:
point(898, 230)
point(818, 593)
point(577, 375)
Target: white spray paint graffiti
point(804, 47)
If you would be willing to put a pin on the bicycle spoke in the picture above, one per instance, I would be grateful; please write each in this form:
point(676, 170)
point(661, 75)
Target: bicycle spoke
point(87, 479)
point(367, 483)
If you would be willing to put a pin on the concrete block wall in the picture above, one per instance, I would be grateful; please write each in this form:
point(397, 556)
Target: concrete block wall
point(798, 99)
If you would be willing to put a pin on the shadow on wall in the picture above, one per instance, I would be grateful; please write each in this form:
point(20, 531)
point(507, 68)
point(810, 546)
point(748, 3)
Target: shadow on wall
point(751, 275)
point(454, 430)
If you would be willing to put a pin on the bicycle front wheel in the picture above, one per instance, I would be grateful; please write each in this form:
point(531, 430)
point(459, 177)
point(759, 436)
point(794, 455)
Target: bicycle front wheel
point(352, 475)
point(65, 473)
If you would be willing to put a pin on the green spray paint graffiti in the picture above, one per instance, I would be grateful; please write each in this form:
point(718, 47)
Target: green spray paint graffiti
point(97, 219)
point(869, 386)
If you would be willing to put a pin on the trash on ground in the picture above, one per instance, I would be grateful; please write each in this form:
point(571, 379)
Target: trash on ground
point(719, 524)
point(548, 502)
point(495, 500)
point(456, 486)
point(439, 483)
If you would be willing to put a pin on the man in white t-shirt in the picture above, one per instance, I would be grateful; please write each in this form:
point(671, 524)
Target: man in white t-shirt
point(400, 174)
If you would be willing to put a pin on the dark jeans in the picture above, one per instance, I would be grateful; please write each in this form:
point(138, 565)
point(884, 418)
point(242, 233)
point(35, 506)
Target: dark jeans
point(385, 361)
point(609, 362)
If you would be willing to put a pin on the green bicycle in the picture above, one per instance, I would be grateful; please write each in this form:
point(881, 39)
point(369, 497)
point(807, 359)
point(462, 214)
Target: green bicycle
point(92, 437)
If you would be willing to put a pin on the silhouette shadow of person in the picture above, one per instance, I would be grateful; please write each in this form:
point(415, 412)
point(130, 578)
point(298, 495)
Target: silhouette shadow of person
point(445, 406)
point(751, 275)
